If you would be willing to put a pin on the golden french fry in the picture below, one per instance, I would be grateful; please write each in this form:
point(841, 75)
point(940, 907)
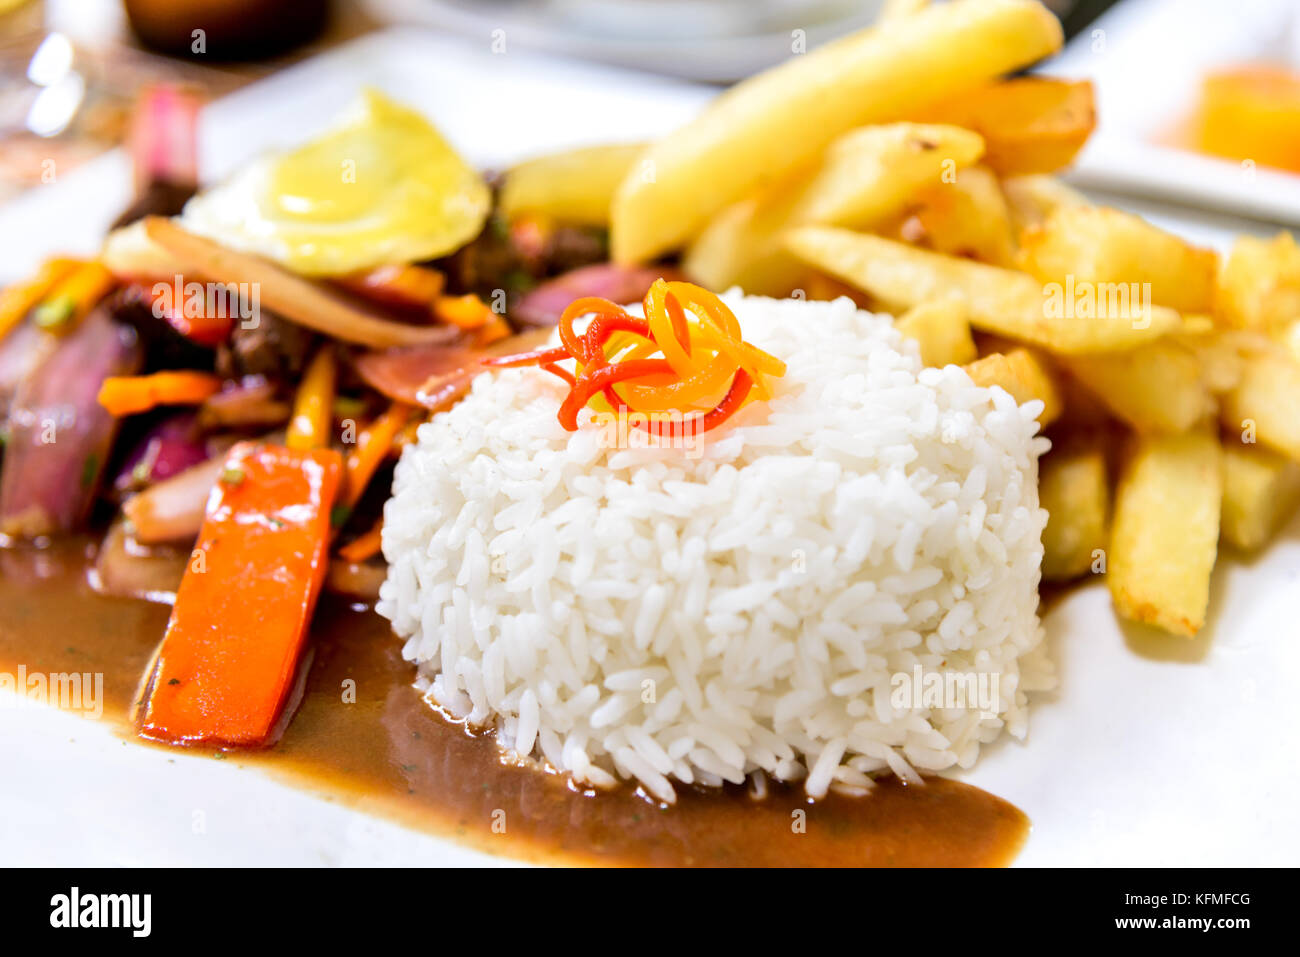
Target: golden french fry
point(893, 9)
point(1265, 405)
point(942, 331)
point(1031, 124)
point(968, 217)
point(1261, 490)
point(1024, 373)
point(1031, 199)
point(781, 120)
point(1165, 534)
point(1157, 388)
point(1075, 489)
point(1259, 284)
point(1001, 301)
point(1094, 246)
point(575, 186)
point(866, 177)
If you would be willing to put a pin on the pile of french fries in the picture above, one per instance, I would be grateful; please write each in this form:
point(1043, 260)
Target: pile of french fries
point(900, 166)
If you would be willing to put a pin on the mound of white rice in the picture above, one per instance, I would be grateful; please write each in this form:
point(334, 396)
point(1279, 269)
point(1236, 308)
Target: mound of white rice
point(669, 616)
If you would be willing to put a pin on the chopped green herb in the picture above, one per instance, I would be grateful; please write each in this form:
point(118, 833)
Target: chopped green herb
point(54, 313)
point(347, 407)
point(89, 471)
point(232, 475)
point(339, 515)
point(174, 681)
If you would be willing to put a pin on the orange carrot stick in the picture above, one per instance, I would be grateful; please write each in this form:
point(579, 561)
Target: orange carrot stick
point(372, 445)
point(73, 296)
point(129, 394)
point(20, 298)
point(465, 312)
point(242, 613)
point(364, 545)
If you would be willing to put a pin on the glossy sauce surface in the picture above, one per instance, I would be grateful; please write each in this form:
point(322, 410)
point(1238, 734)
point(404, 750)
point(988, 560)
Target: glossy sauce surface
point(390, 754)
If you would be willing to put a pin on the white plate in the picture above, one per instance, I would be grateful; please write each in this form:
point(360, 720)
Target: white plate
point(1156, 750)
point(1146, 59)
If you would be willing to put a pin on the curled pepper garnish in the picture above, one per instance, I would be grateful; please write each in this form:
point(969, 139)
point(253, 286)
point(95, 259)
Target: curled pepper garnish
point(684, 366)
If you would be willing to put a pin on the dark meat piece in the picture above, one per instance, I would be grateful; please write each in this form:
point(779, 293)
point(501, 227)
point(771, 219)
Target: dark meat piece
point(515, 258)
point(160, 198)
point(271, 347)
point(164, 347)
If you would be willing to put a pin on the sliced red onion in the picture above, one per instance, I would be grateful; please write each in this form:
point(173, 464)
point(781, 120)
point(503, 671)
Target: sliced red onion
point(543, 305)
point(434, 376)
point(21, 354)
point(59, 435)
point(173, 445)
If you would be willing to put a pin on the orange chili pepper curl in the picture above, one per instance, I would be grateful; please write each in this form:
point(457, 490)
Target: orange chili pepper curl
point(664, 363)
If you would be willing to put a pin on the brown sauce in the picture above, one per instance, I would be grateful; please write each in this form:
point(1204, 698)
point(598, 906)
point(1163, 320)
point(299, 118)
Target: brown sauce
point(390, 754)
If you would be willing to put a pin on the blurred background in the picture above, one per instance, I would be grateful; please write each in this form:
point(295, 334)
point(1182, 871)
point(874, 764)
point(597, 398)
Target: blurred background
point(1215, 77)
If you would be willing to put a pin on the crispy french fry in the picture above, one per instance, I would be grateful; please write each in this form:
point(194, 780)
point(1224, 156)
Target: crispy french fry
point(866, 177)
point(1259, 284)
point(1025, 373)
point(575, 186)
point(1032, 124)
point(1001, 301)
point(968, 217)
point(1266, 402)
point(1157, 388)
point(1031, 199)
point(779, 121)
point(942, 331)
point(1074, 488)
point(1261, 490)
point(1165, 534)
point(1093, 245)
point(893, 9)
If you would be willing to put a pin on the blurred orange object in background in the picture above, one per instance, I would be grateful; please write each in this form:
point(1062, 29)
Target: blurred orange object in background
point(1251, 113)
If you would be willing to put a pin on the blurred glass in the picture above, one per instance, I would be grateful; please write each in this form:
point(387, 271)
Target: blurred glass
point(226, 29)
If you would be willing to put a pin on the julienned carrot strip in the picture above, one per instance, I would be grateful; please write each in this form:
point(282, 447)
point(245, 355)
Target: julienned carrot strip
point(243, 610)
point(313, 406)
point(464, 312)
point(364, 545)
point(127, 395)
point(20, 298)
point(73, 296)
point(372, 445)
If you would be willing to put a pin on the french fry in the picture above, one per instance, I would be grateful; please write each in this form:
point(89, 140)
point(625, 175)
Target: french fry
point(1001, 301)
point(781, 120)
point(867, 176)
point(1165, 534)
point(575, 186)
point(1259, 284)
point(1157, 388)
point(1031, 199)
point(893, 9)
point(1074, 488)
point(1095, 245)
point(942, 331)
point(969, 217)
point(1266, 402)
point(1261, 490)
point(1025, 374)
point(1031, 124)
